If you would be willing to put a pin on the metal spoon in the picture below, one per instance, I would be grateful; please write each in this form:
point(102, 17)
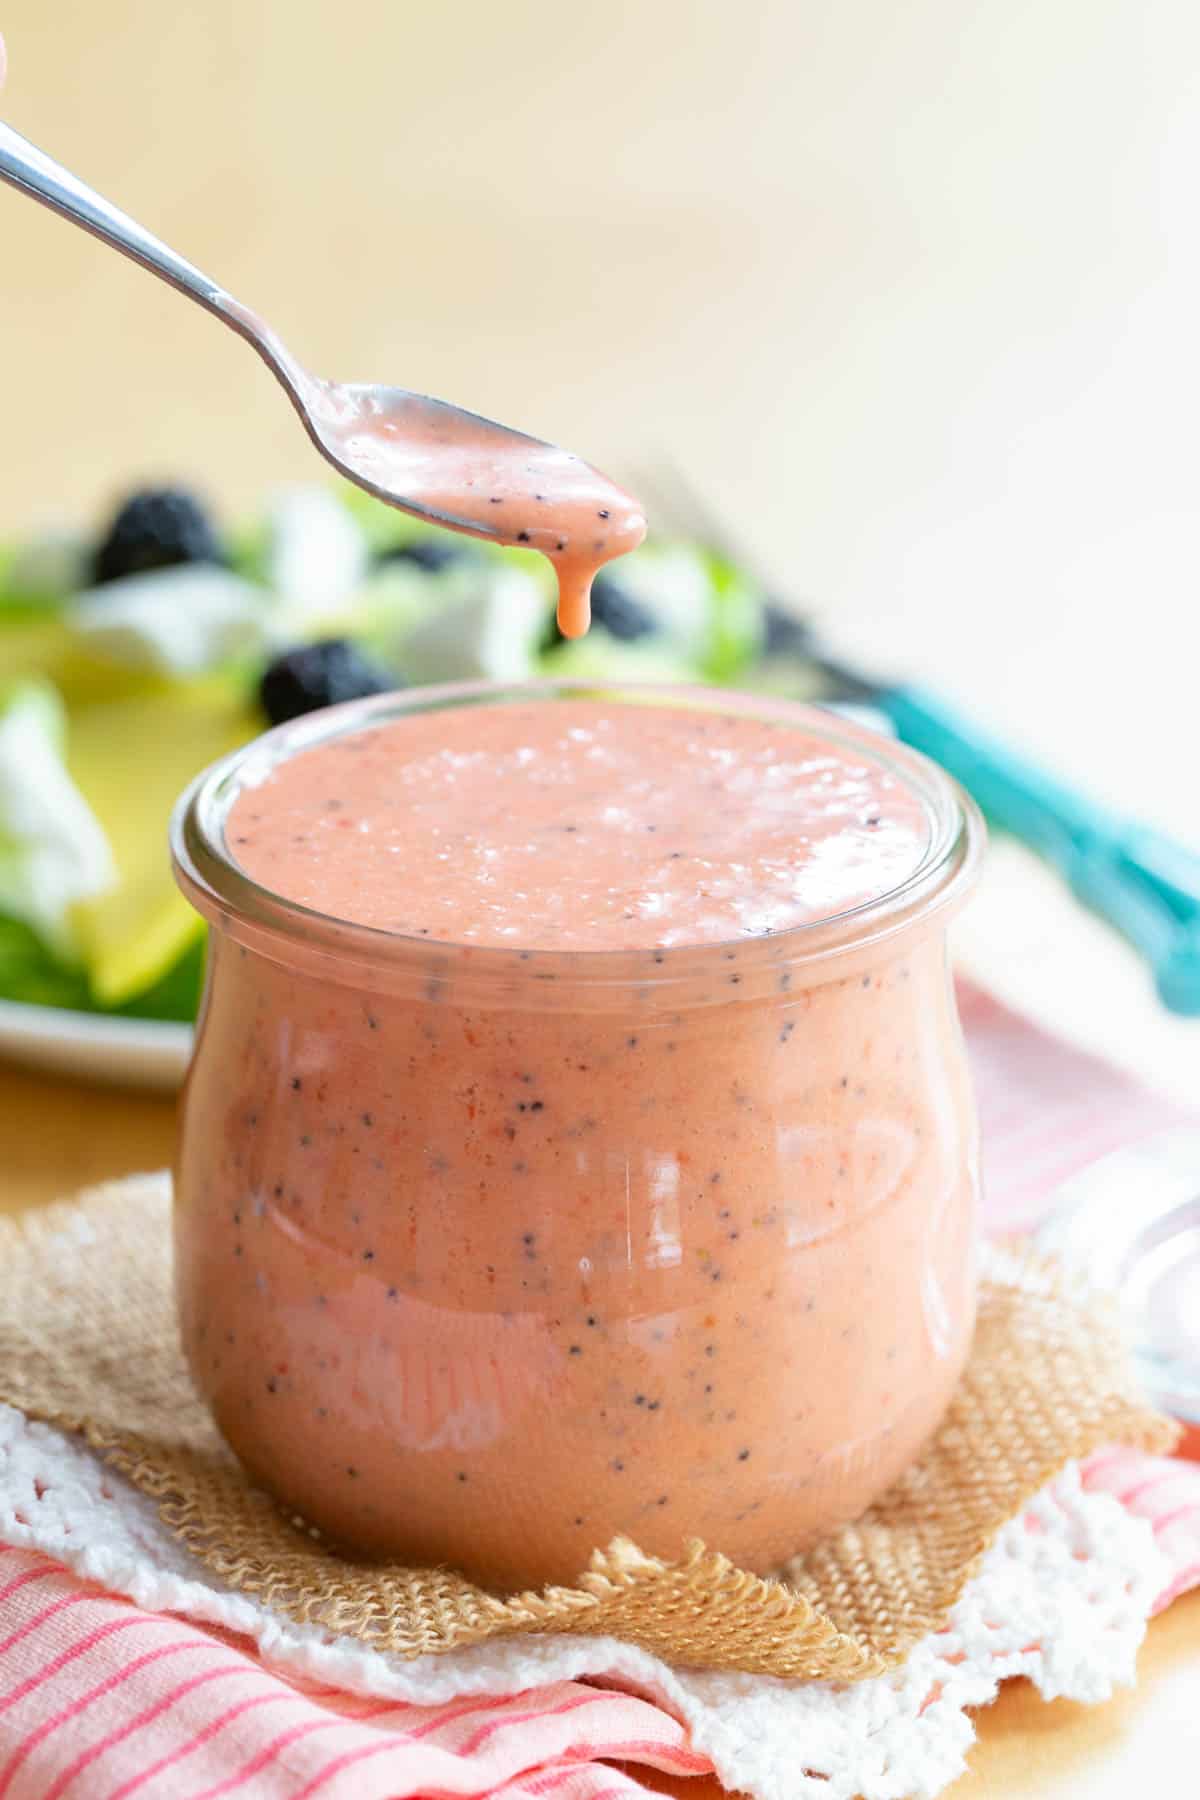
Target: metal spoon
point(426, 456)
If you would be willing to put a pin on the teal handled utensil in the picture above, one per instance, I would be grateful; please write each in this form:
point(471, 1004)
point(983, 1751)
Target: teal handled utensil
point(1138, 880)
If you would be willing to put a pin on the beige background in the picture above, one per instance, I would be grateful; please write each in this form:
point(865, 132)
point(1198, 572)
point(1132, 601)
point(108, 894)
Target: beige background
point(911, 290)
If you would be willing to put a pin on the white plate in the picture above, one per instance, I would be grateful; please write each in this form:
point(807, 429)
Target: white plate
point(149, 1053)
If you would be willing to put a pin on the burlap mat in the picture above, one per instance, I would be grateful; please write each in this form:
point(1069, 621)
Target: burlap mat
point(87, 1341)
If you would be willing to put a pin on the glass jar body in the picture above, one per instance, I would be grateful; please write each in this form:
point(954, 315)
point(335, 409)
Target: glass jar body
point(471, 1278)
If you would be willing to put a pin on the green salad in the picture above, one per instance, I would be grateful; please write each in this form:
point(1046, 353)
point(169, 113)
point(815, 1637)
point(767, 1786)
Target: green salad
point(130, 660)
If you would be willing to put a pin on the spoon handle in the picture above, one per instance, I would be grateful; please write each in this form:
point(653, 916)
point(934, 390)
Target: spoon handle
point(32, 172)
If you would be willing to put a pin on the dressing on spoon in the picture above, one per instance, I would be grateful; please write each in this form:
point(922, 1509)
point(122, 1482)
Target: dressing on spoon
point(475, 476)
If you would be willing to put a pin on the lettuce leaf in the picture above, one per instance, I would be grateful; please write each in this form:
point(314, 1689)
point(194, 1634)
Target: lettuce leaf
point(30, 973)
point(53, 851)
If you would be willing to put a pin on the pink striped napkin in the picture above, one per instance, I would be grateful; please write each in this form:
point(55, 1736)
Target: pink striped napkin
point(1046, 1110)
point(100, 1699)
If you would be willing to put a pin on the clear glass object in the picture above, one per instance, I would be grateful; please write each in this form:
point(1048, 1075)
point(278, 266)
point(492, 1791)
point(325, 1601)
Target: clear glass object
point(485, 1255)
point(1131, 1222)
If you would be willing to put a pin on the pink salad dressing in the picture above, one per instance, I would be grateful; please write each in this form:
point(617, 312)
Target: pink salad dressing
point(469, 473)
point(480, 477)
point(581, 827)
point(491, 1247)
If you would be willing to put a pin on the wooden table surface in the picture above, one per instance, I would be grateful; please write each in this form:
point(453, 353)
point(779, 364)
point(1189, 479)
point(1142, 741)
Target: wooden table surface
point(910, 292)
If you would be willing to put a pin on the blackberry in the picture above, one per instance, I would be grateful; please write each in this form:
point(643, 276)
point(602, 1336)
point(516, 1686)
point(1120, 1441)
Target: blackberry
point(784, 632)
point(156, 529)
point(430, 554)
point(615, 608)
point(322, 674)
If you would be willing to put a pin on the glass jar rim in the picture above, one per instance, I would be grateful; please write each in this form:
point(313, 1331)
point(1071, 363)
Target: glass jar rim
point(217, 885)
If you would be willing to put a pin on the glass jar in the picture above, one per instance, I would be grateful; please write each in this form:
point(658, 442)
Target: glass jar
point(485, 1255)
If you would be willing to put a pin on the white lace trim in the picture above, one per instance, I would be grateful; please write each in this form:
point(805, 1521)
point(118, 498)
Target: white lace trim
point(1061, 1598)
